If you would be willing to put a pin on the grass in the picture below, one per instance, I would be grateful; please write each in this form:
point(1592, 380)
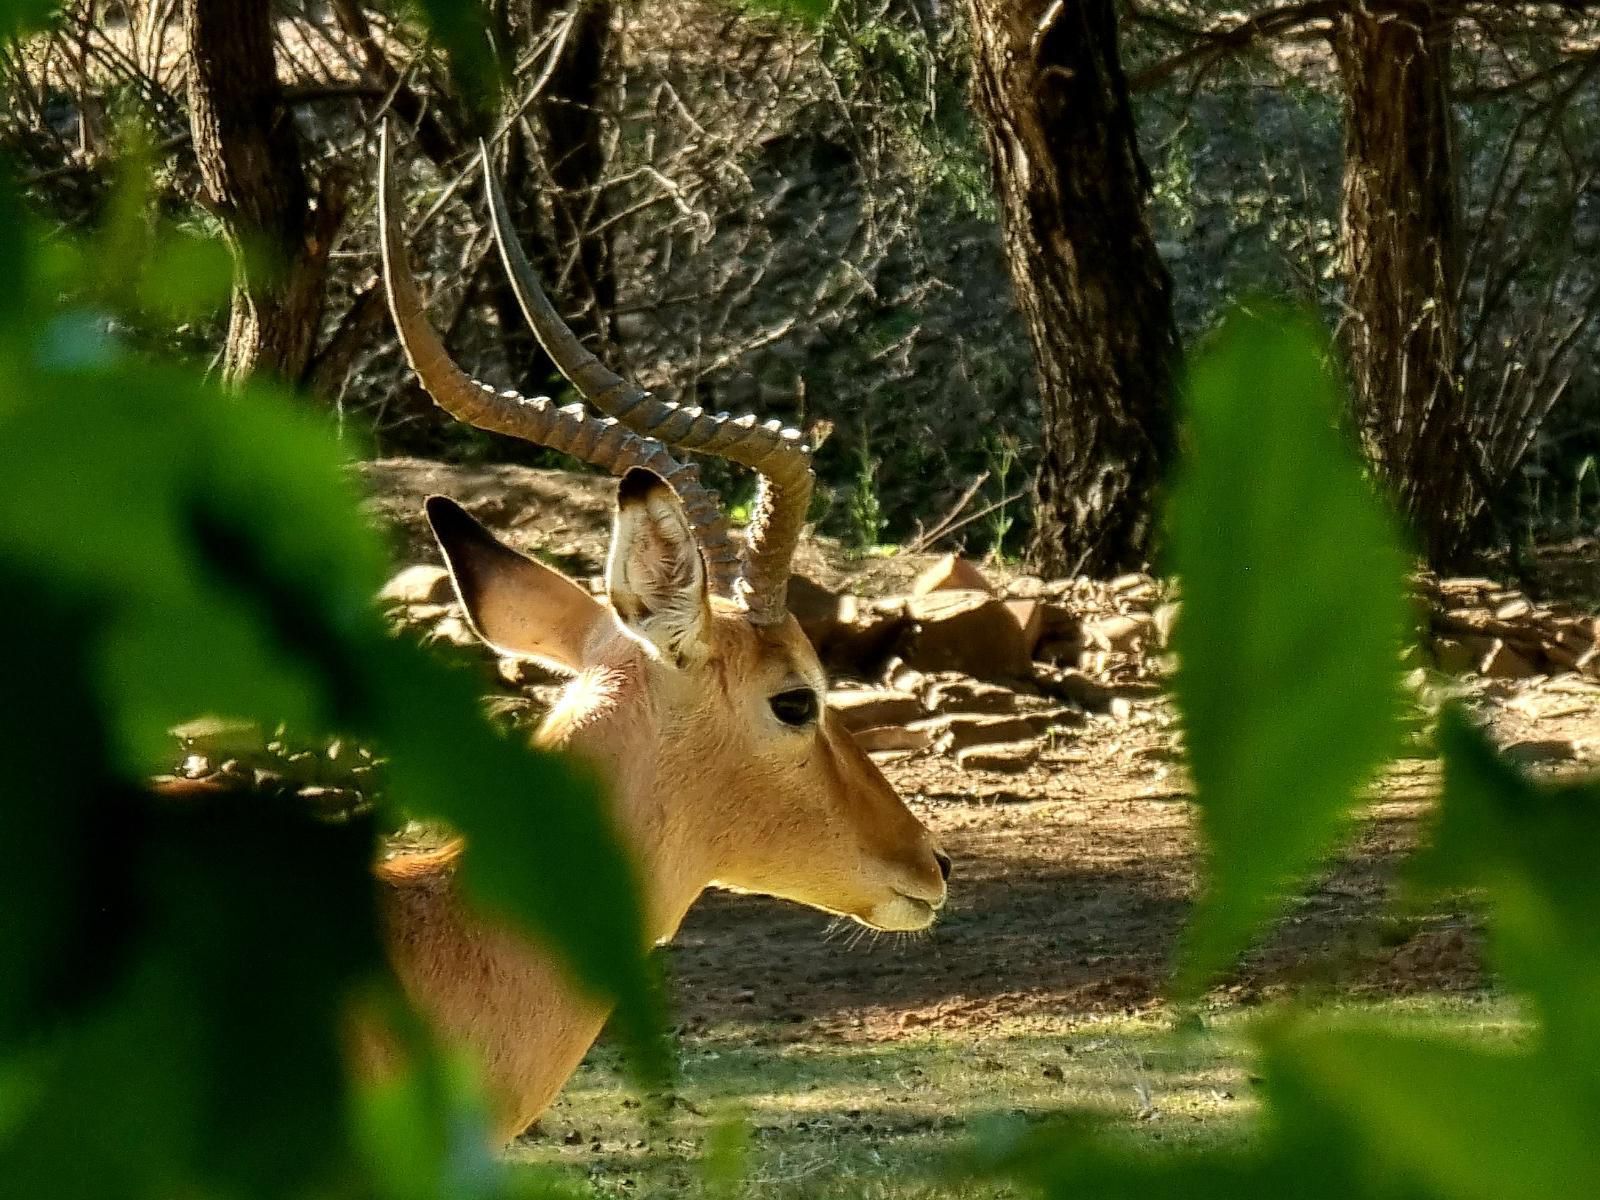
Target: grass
point(875, 1120)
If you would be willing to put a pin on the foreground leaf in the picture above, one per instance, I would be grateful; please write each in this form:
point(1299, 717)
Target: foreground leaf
point(1293, 612)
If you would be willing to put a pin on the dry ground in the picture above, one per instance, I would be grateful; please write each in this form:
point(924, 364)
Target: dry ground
point(857, 1060)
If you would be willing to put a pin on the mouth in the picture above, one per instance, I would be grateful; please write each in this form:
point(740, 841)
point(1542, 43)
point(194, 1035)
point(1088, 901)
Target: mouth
point(902, 914)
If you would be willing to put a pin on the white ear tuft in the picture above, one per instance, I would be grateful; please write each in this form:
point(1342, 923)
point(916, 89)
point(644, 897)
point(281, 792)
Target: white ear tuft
point(655, 575)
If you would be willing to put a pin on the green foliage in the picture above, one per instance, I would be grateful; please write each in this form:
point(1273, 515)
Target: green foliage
point(863, 504)
point(803, 12)
point(1293, 612)
point(180, 972)
point(1351, 1108)
point(459, 27)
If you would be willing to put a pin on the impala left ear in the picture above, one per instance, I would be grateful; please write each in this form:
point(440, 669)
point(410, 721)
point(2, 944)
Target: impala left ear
point(655, 575)
point(519, 606)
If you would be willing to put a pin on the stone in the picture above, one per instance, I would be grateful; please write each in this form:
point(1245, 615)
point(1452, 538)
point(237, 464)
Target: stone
point(1029, 615)
point(886, 739)
point(951, 573)
point(815, 607)
point(1459, 656)
point(960, 694)
point(1505, 662)
point(869, 708)
point(968, 631)
point(863, 644)
point(1075, 687)
point(421, 583)
point(452, 631)
point(1121, 633)
point(1545, 750)
point(1164, 618)
point(960, 730)
point(1006, 759)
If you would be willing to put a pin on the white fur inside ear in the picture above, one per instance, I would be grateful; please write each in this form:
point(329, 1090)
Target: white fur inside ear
point(655, 575)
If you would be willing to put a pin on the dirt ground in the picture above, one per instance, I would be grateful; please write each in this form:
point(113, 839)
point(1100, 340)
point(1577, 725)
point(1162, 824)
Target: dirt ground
point(1070, 886)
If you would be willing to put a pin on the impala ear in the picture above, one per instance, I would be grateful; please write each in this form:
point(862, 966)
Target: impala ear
point(519, 606)
point(655, 575)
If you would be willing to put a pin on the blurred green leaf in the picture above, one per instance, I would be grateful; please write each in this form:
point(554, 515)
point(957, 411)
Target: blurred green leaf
point(186, 276)
point(252, 923)
point(1532, 848)
point(461, 28)
point(1445, 1118)
point(243, 575)
point(1078, 1157)
point(22, 16)
point(168, 550)
point(1293, 612)
point(727, 1155)
point(57, 839)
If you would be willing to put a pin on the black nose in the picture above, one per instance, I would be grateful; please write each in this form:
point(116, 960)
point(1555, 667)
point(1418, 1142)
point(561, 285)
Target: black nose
point(943, 860)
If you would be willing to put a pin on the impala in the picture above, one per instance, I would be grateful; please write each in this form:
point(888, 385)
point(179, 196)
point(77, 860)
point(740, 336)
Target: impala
point(693, 692)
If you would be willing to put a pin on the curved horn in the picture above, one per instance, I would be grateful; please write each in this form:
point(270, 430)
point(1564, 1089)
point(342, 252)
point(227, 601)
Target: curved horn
point(779, 455)
point(602, 442)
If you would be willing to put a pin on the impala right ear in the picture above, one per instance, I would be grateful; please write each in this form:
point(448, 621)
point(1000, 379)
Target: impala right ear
point(656, 576)
point(519, 606)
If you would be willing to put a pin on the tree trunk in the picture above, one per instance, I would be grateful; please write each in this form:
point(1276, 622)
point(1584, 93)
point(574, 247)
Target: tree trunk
point(250, 162)
point(1402, 266)
point(572, 257)
point(1049, 89)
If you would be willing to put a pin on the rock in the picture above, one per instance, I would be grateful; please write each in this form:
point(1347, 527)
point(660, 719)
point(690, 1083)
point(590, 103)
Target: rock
point(1518, 606)
point(1029, 616)
point(1545, 750)
point(452, 631)
point(864, 642)
point(961, 730)
point(903, 678)
point(960, 694)
point(1026, 587)
point(1573, 660)
point(219, 739)
point(421, 583)
point(423, 614)
point(1120, 633)
point(1455, 656)
point(868, 708)
point(815, 607)
point(968, 631)
point(1135, 587)
point(886, 739)
point(1008, 759)
point(1074, 686)
point(1164, 618)
point(951, 573)
point(1504, 662)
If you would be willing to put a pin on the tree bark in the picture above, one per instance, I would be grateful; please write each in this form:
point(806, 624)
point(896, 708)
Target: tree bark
point(1402, 266)
point(1049, 88)
point(572, 257)
point(255, 181)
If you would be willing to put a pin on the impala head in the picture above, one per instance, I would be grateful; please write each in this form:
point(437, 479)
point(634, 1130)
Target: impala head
point(704, 682)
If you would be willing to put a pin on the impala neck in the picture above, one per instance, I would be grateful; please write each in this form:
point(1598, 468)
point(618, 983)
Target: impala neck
point(674, 856)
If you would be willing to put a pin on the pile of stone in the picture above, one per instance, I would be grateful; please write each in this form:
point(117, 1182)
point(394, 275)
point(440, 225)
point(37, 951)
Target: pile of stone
point(1480, 627)
point(990, 672)
point(954, 618)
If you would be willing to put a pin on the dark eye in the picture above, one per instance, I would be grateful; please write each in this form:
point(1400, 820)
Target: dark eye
point(796, 708)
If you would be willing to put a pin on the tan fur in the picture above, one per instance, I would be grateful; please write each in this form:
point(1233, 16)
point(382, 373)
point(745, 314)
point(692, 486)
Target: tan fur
point(709, 789)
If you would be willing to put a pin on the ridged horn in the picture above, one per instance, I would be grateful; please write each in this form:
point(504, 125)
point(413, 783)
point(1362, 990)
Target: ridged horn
point(780, 456)
point(601, 441)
